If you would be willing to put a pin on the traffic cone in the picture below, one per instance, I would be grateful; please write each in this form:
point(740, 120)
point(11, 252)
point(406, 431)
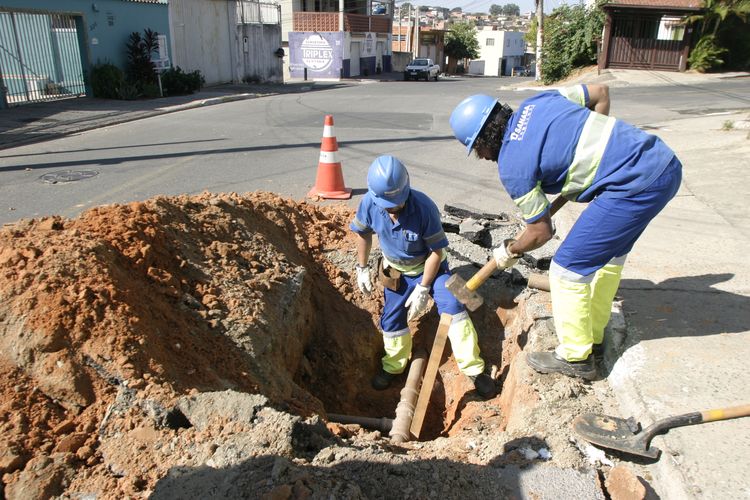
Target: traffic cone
point(329, 182)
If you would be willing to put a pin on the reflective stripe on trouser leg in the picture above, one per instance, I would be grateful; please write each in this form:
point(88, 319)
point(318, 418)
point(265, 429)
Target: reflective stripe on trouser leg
point(465, 346)
point(397, 352)
point(571, 310)
point(603, 290)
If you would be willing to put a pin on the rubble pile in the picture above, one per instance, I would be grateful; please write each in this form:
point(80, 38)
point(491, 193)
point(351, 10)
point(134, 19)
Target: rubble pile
point(192, 346)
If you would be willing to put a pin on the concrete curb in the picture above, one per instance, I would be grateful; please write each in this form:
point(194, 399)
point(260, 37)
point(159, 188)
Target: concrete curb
point(210, 102)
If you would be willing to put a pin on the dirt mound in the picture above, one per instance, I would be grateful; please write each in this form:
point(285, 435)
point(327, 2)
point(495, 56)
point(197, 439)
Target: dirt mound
point(166, 297)
point(196, 343)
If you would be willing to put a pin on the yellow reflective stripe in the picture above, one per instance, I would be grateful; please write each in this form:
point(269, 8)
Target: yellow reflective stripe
point(574, 94)
point(532, 203)
point(589, 151)
point(413, 269)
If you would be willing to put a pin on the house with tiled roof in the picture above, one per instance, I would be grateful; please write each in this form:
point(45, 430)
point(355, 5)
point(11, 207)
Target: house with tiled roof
point(647, 34)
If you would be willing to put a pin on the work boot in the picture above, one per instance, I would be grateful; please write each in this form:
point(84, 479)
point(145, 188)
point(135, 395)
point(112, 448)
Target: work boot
point(550, 362)
point(382, 380)
point(484, 385)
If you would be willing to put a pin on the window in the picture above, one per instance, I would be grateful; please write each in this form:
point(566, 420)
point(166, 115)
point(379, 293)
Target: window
point(507, 43)
point(490, 42)
point(671, 28)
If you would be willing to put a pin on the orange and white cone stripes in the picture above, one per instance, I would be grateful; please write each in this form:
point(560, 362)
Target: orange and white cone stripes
point(329, 181)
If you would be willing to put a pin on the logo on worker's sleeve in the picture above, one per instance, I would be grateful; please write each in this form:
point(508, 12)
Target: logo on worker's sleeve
point(523, 123)
point(411, 236)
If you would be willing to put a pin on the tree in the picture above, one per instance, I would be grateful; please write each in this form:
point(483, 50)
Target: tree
point(718, 18)
point(570, 36)
point(717, 11)
point(405, 7)
point(461, 41)
point(530, 36)
point(511, 9)
point(495, 10)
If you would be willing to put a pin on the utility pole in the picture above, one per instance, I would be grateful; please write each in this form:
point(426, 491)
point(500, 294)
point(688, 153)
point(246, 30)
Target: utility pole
point(408, 32)
point(416, 32)
point(400, 36)
point(341, 15)
point(539, 32)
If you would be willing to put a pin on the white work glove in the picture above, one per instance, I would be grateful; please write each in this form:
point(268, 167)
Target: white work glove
point(417, 302)
point(363, 279)
point(503, 258)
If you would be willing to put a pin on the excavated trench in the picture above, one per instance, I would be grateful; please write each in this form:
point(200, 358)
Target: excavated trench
point(115, 324)
point(337, 369)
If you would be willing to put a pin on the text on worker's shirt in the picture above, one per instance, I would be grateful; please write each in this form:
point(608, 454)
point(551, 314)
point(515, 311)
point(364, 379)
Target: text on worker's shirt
point(523, 123)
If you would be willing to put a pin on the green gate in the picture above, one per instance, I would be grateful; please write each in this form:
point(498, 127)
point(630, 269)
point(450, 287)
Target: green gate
point(40, 57)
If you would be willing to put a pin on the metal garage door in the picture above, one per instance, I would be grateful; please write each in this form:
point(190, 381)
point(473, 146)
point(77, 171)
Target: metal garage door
point(201, 34)
point(40, 57)
point(354, 65)
point(638, 42)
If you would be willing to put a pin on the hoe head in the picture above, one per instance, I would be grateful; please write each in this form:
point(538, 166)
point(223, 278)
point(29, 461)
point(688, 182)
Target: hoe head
point(470, 298)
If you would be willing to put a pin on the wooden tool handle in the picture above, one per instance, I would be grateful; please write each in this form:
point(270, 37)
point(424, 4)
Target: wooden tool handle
point(428, 380)
point(481, 275)
point(490, 267)
point(726, 413)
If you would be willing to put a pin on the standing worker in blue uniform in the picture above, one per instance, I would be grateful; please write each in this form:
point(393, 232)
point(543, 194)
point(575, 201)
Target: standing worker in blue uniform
point(563, 141)
point(414, 266)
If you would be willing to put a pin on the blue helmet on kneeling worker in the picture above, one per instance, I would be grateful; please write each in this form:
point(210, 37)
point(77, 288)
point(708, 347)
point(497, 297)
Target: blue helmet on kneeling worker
point(388, 182)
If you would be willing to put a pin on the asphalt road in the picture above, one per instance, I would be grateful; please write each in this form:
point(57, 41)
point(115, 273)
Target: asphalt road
point(272, 143)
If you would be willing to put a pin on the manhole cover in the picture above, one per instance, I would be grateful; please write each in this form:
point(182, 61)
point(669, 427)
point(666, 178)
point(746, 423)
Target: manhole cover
point(68, 176)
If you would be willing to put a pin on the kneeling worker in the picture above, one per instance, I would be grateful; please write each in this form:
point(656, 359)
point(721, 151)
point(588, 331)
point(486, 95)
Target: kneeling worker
point(413, 244)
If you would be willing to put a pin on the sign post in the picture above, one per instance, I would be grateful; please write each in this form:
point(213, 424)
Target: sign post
point(160, 65)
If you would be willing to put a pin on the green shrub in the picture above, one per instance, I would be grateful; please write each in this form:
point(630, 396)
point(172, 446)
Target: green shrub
point(150, 91)
point(570, 35)
point(174, 81)
point(706, 54)
point(128, 92)
point(106, 80)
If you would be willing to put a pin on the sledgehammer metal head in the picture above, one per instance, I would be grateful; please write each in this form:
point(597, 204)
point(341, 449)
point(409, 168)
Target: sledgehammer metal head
point(465, 291)
point(470, 298)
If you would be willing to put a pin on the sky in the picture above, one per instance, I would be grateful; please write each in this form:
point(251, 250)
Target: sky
point(484, 5)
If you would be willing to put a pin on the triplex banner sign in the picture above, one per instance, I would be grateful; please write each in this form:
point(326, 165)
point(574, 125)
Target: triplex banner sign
point(320, 52)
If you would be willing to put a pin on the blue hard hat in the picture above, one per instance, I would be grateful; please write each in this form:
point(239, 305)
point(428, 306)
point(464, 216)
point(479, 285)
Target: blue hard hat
point(388, 181)
point(469, 117)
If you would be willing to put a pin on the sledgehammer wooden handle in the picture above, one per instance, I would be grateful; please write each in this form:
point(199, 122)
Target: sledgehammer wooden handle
point(490, 267)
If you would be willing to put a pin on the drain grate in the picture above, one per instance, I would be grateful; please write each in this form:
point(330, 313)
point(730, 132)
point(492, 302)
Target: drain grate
point(68, 176)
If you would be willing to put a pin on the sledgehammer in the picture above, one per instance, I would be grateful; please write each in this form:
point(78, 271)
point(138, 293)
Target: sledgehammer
point(465, 291)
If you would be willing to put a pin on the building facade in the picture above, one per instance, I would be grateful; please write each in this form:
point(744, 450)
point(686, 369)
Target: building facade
point(330, 40)
point(50, 45)
point(499, 53)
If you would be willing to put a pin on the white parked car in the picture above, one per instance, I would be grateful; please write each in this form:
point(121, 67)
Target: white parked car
point(421, 68)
